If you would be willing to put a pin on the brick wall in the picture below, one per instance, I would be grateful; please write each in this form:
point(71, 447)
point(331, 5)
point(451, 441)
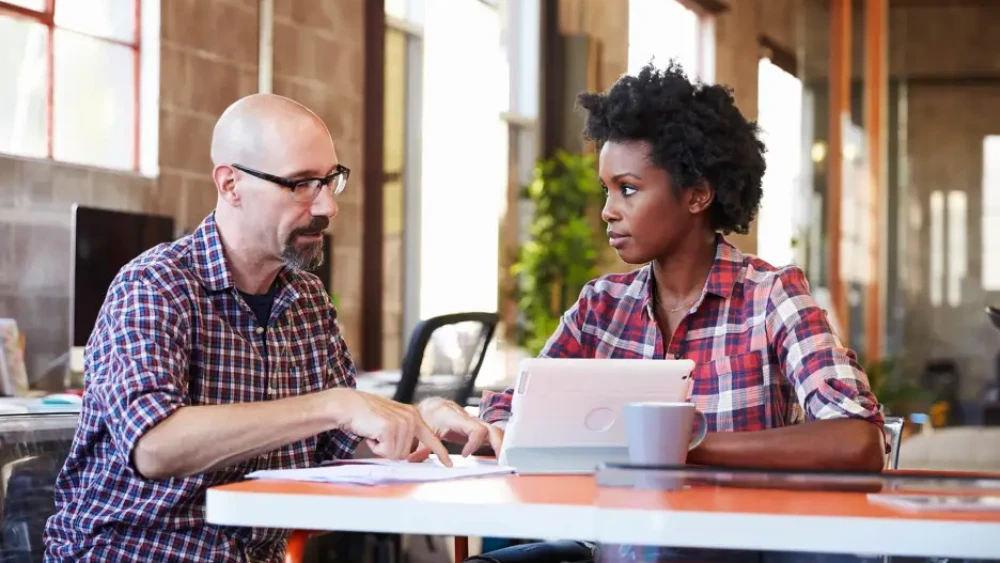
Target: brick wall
point(208, 60)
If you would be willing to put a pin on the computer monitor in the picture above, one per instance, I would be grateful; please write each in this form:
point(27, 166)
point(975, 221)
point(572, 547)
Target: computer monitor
point(104, 241)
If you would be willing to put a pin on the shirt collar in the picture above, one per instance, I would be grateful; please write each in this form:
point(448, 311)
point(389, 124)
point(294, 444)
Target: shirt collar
point(209, 262)
point(727, 270)
point(208, 258)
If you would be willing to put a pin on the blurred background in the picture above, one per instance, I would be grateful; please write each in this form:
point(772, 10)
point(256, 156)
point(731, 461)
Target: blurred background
point(882, 119)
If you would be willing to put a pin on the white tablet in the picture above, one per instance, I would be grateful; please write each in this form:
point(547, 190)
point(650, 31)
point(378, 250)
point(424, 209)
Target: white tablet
point(567, 413)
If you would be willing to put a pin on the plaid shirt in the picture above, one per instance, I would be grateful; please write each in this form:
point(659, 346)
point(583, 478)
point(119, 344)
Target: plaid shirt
point(174, 332)
point(765, 355)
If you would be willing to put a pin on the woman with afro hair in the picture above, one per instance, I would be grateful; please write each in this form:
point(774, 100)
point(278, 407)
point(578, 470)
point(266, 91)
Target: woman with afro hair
point(682, 167)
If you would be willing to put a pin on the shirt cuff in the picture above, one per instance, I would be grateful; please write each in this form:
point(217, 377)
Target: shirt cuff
point(141, 415)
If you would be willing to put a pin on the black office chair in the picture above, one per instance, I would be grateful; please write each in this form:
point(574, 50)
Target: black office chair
point(993, 313)
point(451, 347)
point(991, 410)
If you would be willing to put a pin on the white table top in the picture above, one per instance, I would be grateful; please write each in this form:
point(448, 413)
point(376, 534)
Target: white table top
point(574, 507)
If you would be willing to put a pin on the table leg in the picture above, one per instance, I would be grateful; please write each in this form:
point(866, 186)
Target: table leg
point(297, 546)
point(461, 548)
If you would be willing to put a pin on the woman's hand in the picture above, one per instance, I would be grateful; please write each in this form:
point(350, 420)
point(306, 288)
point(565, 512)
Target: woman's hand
point(454, 424)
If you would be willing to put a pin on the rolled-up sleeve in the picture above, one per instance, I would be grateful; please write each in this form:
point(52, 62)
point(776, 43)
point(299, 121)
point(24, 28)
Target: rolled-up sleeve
point(828, 380)
point(337, 444)
point(145, 378)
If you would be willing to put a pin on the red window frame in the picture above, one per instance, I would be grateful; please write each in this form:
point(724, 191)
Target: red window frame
point(46, 17)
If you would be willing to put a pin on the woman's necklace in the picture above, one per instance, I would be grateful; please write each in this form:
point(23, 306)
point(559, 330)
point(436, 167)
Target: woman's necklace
point(681, 307)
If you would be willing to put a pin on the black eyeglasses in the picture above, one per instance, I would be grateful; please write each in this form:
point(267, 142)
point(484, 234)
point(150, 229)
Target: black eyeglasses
point(305, 190)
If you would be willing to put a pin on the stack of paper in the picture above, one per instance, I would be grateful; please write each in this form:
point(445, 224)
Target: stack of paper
point(380, 471)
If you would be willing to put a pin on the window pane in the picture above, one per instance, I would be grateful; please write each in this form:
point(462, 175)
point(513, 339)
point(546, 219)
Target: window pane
point(37, 5)
point(94, 106)
point(22, 98)
point(105, 18)
point(662, 30)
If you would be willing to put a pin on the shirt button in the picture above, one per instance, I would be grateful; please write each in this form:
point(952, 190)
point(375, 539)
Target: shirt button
point(677, 356)
point(259, 330)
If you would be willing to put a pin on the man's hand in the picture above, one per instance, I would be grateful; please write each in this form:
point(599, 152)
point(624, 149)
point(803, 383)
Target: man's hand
point(453, 424)
point(389, 428)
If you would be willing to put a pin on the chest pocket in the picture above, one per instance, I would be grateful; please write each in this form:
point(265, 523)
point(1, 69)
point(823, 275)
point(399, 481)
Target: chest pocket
point(742, 392)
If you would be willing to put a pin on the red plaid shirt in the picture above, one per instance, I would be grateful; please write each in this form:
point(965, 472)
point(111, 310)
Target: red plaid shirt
point(765, 355)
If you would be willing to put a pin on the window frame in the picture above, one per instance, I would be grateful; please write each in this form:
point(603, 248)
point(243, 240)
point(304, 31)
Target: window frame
point(46, 17)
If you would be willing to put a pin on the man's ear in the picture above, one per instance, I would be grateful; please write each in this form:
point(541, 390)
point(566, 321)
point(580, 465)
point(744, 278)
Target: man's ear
point(700, 197)
point(225, 182)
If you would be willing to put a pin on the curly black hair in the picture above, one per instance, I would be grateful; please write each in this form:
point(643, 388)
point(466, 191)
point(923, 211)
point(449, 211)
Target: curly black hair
point(695, 131)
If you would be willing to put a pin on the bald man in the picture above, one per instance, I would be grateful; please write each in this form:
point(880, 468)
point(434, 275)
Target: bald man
point(218, 355)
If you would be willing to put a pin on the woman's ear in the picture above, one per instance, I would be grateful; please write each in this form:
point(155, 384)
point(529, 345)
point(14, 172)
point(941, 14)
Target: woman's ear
point(701, 196)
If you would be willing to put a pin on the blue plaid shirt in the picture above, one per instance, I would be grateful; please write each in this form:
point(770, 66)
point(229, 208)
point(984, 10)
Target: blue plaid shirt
point(174, 332)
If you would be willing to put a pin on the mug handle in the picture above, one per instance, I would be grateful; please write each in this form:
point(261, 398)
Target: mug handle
point(697, 437)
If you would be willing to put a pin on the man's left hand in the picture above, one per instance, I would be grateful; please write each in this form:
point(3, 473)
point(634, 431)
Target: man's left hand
point(454, 424)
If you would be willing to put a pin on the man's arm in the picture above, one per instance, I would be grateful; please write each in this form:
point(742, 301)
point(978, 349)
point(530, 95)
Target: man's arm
point(160, 435)
point(844, 426)
point(341, 372)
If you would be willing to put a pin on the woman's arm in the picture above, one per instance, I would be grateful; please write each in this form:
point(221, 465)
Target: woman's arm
point(843, 428)
point(844, 444)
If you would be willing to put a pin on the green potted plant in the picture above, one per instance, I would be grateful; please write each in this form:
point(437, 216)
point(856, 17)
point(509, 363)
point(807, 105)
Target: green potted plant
point(898, 396)
point(561, 255)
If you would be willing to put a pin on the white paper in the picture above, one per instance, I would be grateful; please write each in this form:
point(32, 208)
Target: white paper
point(381, 471)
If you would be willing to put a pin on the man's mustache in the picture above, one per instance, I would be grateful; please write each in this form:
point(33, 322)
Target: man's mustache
point(315, 227)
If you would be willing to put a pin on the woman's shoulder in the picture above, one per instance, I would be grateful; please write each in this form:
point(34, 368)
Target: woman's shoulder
point(764, 276)
point(611, 290)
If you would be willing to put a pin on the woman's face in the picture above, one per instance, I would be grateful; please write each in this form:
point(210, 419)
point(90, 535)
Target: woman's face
point(647, 217)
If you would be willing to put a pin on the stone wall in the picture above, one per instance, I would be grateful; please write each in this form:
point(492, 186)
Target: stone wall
point(208, 59)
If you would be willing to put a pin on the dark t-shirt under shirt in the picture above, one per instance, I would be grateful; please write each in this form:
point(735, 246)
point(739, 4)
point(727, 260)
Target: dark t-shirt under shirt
point(261, 305)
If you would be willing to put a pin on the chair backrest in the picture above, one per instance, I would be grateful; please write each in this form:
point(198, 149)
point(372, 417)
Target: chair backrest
point(449, 345)
point(993, 314)
point(894, 433)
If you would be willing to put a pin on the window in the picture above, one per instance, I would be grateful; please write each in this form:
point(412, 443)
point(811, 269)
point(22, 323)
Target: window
point(666, 29)
point(76, 88)
point(779, 113)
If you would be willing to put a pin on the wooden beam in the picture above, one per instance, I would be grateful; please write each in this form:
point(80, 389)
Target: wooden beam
point(876, 82)
point(550, 46)
point(372, 227)
point(840, 111)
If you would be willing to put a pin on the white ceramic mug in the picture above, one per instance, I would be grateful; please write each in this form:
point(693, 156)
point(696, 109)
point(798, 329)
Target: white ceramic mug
point(661, 433)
